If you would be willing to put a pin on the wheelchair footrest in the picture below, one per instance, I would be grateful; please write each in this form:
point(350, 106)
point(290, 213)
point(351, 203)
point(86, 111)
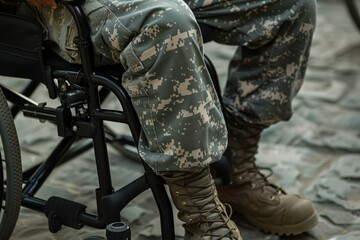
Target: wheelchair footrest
point(60, 211)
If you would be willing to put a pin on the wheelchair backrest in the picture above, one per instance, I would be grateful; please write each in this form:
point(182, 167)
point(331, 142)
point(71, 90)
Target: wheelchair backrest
point(21, 50)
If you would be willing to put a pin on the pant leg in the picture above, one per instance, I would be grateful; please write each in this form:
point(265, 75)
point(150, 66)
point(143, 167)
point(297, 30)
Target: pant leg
point(267, 70)
point(159, 44)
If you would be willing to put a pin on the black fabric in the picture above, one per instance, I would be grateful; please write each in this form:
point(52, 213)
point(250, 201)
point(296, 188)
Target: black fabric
point(207, 32)
point(9, 6)
point(21, 47)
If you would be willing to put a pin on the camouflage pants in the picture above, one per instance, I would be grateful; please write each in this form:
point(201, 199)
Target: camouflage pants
point(160, 46)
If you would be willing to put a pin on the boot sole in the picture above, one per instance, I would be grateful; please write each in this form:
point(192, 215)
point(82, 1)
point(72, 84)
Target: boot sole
point(287, 230)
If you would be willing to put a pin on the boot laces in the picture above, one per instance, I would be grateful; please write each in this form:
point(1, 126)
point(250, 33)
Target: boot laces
point(218, 224)
point(257, 179)
point(213, 212)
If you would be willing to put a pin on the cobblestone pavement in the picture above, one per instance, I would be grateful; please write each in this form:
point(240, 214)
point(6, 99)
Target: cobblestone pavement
point(316, 153)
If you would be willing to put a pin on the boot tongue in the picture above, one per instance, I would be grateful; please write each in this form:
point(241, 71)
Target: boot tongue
point(250, 174)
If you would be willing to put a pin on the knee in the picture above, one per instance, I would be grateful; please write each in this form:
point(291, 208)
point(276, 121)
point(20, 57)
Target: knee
point(169, 27)
point(172, 16)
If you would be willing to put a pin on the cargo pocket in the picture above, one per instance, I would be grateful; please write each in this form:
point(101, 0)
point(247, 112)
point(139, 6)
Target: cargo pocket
point(134, 79)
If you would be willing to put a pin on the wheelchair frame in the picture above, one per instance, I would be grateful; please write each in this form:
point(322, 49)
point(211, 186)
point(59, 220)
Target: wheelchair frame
point(79, 85)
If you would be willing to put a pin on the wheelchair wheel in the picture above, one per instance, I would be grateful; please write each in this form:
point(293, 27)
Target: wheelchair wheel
point(353, 7)
point(10, 171)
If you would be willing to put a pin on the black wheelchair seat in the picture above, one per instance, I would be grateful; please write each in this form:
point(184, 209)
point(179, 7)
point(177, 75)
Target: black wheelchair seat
point(55, 62)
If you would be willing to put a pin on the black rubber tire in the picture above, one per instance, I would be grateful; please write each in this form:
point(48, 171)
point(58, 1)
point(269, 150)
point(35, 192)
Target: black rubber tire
point(11, 171)
point(353, 7)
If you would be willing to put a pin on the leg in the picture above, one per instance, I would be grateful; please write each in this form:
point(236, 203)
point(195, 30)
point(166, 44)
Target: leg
point(183, 130)
point(274, 38)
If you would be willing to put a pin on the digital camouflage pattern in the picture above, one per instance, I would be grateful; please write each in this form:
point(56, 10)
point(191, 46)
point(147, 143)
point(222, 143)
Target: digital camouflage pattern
point(160, 45)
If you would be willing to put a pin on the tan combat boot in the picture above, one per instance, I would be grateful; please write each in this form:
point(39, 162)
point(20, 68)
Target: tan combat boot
point(204, 216)
point(262, 203)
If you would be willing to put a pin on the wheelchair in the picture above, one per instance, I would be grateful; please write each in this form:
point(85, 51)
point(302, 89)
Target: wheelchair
point(80, 89)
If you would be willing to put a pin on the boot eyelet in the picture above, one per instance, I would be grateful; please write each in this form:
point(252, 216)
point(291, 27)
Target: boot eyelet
point(272, 197)
point(253, 186)
point(183, 203)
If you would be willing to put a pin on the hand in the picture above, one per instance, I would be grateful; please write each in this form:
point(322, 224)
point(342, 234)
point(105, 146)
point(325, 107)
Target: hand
point(43, 3)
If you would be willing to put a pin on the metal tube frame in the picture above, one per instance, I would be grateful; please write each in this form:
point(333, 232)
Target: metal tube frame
point(110, 203)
